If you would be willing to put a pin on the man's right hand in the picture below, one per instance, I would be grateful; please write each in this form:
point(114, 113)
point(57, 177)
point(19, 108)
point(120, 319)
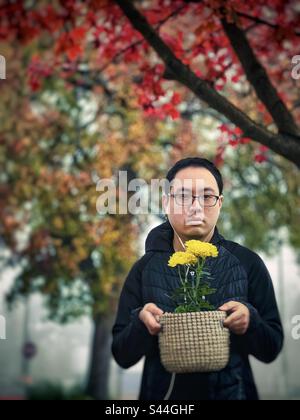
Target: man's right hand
point(149, 316)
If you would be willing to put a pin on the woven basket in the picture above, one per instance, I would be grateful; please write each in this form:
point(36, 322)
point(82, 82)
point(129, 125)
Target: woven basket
point(194, 342)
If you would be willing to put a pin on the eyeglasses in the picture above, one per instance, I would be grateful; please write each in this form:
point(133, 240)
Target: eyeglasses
point(187, 200)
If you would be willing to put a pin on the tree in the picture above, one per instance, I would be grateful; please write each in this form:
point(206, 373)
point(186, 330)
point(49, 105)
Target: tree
point(54, 146)
point(261, 215)
point(228, 44)
point(231, 17)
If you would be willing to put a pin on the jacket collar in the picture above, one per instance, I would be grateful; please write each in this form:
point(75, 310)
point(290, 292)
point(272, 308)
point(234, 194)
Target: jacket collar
point(160, 239)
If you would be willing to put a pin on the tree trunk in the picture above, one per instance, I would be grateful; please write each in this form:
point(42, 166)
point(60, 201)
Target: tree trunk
point(97, 385)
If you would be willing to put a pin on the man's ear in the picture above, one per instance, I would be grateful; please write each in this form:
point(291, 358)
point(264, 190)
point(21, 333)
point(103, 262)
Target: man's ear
point(221, 201)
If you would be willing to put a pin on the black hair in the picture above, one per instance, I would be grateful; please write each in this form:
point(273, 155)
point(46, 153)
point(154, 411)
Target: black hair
point(196, 162)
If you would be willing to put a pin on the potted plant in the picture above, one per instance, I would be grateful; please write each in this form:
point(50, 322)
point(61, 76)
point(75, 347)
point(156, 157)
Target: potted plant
point(193, 339)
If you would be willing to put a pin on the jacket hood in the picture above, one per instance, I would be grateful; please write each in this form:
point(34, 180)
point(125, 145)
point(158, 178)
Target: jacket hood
point(160, 239)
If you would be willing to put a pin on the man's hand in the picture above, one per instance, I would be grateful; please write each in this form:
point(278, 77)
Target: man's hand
point(239, 319)
point(149, 315)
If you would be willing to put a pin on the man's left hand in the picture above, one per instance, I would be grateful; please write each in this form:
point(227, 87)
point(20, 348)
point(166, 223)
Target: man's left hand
point(239, 319)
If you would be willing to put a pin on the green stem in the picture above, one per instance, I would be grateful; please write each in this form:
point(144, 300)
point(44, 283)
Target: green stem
point(183, 282)
point(199, 271)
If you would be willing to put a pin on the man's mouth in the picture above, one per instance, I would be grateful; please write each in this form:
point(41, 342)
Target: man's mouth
point(195, 222)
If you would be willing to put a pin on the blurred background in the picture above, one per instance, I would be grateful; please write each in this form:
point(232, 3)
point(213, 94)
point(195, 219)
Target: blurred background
point(82, 97)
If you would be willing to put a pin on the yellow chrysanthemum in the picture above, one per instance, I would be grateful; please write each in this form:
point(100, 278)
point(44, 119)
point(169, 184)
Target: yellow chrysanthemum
point(182, 258)
point(201, 249)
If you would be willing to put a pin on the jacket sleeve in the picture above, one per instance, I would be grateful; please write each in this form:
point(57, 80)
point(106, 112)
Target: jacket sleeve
point(264, 338)
point(131, 339)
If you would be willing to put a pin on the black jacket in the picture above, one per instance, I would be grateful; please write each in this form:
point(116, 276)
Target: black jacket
point(238, 274)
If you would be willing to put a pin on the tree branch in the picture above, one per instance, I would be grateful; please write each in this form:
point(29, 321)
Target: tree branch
point(260, 21)
point(285, 146)
point(135, 44)
point(259, 79)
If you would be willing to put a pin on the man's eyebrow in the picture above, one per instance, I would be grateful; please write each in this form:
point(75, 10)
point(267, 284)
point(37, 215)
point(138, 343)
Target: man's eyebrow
point(209, 190)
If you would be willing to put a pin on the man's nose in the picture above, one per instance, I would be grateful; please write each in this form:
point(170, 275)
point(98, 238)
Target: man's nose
point(198, 204)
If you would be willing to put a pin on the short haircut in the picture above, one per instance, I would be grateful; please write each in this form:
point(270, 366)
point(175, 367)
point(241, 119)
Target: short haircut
point(196, 162)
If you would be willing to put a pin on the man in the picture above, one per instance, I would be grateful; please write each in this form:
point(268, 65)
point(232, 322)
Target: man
point(244, 291)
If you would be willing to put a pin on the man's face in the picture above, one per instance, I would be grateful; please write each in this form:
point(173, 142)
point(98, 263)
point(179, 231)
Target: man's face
point(199, 218)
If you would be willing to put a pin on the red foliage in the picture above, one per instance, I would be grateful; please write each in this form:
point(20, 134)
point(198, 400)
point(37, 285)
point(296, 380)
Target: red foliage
point(37, 72)
point(194, 33)
point(71, 43)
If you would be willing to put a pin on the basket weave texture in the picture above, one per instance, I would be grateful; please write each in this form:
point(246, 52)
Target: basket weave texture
point(194, 342)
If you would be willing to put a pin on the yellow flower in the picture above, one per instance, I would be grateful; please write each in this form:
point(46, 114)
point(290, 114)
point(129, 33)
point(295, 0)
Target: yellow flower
point(182, 258)
point(201, 249)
